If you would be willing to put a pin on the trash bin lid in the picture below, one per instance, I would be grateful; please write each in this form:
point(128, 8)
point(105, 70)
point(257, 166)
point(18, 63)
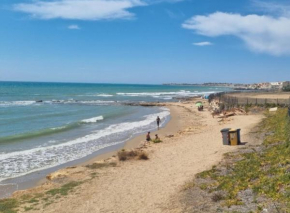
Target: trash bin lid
point(225, 130)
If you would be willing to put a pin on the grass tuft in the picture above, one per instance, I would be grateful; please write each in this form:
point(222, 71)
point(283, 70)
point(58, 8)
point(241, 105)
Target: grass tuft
point(8, 205)
point(63, 190)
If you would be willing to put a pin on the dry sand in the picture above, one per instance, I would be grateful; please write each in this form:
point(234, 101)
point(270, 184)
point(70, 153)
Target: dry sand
point(150, 186)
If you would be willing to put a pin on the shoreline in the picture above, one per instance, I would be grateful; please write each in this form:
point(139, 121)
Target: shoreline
point(135, 142)
point(38, 178)
point(151, 185)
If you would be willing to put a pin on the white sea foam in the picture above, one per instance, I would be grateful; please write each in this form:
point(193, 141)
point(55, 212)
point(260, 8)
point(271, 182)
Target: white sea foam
point(93, 120)
point(70, 101)
point(16, 103)
point(97, 95)
point(19, 163)
point(58, 128)
point(97, 102)
point(105, 95)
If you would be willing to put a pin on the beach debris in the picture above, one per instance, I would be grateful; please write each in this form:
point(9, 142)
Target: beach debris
point(273, 109)
point(169, 136)
point(225, 115)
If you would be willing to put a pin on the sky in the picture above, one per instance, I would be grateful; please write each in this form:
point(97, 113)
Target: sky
point(145, 41)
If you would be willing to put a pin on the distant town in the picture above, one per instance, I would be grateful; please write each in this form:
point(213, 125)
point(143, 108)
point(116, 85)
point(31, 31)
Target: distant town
point(281, 85)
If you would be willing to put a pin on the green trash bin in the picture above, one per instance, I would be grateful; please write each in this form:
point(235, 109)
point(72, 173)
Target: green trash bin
point(225, 135)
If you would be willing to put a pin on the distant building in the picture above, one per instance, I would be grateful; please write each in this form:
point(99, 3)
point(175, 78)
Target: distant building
point(276, 85)
point(286, 84)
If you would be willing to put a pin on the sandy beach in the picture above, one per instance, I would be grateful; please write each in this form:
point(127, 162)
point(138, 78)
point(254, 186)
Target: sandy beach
point(152, 185)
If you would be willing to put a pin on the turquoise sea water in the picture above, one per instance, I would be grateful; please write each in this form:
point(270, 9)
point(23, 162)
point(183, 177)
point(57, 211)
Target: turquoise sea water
point(43, 125)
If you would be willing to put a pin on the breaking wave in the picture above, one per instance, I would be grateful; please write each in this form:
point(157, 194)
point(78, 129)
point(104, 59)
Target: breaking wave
point(23, 162)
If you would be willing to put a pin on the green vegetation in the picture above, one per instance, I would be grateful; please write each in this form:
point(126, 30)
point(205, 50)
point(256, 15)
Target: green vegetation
point(156, 141)
point(63, 190)
point(8, 205)
point(27, 208)
point(30, 201)
point(247, 108)
point(265, 172)
point(101, 165)
point(278, 125)
point(286, 88)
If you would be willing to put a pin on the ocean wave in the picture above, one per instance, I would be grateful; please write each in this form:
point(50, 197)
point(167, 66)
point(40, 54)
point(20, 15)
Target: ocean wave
point(49, 131)
point(39, 133)
point(23, 162)
point(93, 120)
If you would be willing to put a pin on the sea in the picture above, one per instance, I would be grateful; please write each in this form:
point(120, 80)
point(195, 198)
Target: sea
point(44, 125)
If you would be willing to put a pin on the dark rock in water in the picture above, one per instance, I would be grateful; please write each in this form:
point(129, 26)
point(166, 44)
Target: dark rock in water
point(39, 101)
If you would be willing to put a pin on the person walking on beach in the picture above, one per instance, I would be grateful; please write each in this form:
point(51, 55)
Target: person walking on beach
point(158, 121)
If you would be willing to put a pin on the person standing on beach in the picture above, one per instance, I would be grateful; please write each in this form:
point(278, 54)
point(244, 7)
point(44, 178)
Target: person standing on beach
point(158, 121)
point(148, 138)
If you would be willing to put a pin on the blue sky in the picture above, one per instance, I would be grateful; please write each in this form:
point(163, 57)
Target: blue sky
point(144, 41)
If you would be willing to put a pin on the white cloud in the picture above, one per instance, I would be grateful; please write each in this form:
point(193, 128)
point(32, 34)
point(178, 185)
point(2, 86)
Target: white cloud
point(260, 33)
point(272, 7)
point(84, 9)
point(73, 27)
point(80, 9)
point(204, 43)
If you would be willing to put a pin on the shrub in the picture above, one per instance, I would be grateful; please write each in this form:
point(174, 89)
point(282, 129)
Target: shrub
point(126, 155)
point(143, 156)
point(122, 155)
point(217, 197)
point(247, 108)
point(100, 165)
